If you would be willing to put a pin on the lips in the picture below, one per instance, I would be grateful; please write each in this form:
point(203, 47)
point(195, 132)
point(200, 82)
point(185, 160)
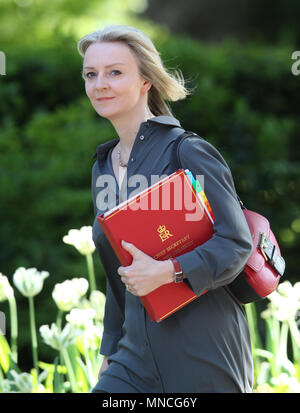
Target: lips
point(104, 99)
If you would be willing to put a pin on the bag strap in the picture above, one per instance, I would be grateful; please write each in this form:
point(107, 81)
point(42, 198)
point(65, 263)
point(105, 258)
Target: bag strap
point(176, 164)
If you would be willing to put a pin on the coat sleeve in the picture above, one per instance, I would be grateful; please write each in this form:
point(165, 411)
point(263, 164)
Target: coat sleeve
point(219, 260)
point(113, 315)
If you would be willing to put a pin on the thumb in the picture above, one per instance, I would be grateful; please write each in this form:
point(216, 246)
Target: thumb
point(130, 247)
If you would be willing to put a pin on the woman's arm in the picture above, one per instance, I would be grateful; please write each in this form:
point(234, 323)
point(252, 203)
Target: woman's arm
point(219, 260)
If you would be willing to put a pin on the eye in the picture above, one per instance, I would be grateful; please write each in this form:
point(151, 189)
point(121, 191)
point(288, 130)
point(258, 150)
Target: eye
point(115, 72)
point(89, 75)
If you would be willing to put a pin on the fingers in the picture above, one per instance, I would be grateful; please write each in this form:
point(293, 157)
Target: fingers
point(131, 274)
point(131, 289)
point(125, 279)
point(129, 286)
point(132, 249)
point(123, 272)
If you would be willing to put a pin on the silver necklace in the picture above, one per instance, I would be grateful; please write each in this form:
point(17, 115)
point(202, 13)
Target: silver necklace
point(124, 165)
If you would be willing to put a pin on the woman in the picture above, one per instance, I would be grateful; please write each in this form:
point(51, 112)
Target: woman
point(205, 346)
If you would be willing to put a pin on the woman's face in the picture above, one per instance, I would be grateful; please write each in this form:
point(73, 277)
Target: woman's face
point(112, 80)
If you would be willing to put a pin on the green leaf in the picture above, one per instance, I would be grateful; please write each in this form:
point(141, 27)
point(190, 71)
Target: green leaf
point(84, 379)
point(50, 367)
point(263, 373)
point(80, 374)
point(264, 353)
point(57, 381)
point(4, 353)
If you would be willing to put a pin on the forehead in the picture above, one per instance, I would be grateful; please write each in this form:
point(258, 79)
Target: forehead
point(106, 53)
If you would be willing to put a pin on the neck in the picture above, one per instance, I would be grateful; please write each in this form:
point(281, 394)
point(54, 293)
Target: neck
point(127, 128)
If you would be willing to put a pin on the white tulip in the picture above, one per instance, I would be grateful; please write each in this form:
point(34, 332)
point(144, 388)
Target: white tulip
point(29, 281)
point(97, 301)
point(22, 382)
point(67, 294)
point(80, 286)
point(81, 317)
point(284, 302)
point(92, 336)
point(57, 339)
point(91, 333)
point(6, 291)
point(81, 239)
point(5, 386)
point(285, 288)
point(290, 382)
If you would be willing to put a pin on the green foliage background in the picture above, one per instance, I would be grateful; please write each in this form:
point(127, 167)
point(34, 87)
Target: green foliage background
point(244, 102)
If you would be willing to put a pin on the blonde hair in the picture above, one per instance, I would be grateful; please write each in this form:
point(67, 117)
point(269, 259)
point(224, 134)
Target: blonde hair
point(165, 86)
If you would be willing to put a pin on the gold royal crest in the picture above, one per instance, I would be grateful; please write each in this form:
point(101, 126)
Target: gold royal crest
point(163, 233)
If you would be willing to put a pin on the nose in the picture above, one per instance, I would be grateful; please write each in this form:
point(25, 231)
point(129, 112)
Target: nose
point(100, 82)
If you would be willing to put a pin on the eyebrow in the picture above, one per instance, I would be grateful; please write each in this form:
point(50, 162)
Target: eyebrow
point(113, 64)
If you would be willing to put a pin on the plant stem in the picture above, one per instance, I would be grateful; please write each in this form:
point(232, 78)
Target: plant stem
point(272, 342)
point(252, 322)
point(33, 334)
point(283, 339)
point(13, 327)
point(59, 319)
point(95, 364)
point(295, 340)
point(255, 339)
point(69, 370)
point(57, 378)
point(91, 272)
point(282, 353)
point(89, 367)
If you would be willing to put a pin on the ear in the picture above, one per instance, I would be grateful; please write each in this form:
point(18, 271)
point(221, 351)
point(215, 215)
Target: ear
point(146, 86)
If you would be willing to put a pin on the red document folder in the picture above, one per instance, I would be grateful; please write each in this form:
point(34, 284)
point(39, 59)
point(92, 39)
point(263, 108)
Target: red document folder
point(165, 220)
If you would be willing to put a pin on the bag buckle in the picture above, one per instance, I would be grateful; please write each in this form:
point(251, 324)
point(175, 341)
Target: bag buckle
point(270, 253)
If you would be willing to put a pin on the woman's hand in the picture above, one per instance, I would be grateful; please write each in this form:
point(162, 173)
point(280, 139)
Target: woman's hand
point(145, 274)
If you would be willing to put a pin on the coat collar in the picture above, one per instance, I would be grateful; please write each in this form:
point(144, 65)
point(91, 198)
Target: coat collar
point(102, 149)
point(165, 120)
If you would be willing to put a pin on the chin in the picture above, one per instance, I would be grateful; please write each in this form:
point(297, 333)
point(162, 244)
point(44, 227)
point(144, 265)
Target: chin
point(113, 115)
point(104, 113)
point(108, 116)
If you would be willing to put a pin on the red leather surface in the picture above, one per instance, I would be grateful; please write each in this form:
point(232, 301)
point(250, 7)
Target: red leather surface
point(260, 275)
point(137, 223)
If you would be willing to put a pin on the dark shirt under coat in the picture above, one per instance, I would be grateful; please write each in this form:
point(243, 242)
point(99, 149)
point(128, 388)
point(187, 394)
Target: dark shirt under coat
point(205, 346)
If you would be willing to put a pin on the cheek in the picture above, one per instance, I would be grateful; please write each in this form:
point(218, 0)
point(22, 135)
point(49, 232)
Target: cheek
point(128, 86)
point(128, 97)
point(88, 90)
